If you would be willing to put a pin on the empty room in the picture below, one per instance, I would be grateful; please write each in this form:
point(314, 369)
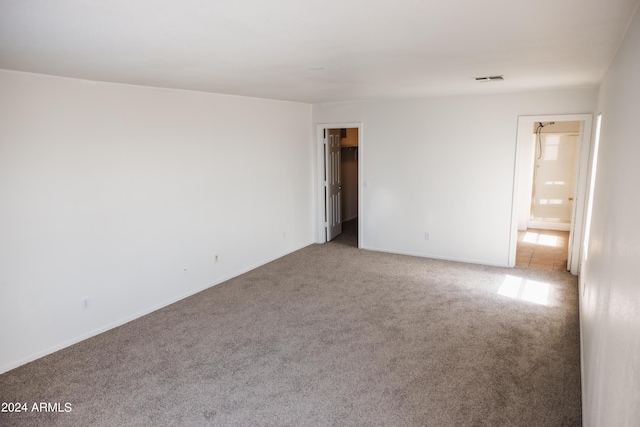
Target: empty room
point(319, 213)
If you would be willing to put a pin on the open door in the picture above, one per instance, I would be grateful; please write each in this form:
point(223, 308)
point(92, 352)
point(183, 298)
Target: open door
point(333, 187)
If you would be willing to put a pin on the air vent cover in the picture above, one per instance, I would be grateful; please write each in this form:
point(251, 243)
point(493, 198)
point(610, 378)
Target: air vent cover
point(489, 79)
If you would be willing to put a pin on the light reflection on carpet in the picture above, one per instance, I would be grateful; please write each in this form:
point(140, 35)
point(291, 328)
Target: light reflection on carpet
point(525, 290)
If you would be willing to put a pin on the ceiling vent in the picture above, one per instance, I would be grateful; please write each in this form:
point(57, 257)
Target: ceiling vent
point(489, 79)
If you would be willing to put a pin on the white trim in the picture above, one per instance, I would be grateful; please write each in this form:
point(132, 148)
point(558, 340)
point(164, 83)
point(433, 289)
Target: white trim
point(577, 222)
point(320, 170)
point(549, 225)
point(438, 257)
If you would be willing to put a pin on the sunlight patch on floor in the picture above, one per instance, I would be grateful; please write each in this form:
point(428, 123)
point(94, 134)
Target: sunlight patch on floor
point(525, 289)
point(541, 239)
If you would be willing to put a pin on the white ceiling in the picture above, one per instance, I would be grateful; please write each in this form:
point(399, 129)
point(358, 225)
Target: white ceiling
point(317, 51)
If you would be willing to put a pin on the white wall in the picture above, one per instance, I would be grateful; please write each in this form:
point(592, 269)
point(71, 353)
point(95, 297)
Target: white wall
point(111, 191)
point(444, 166)
point(571, 126)
point(610, 306)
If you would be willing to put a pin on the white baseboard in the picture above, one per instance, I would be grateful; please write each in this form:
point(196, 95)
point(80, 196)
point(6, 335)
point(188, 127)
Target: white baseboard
point(549, 225)
point(135, 316)
point(464, 260)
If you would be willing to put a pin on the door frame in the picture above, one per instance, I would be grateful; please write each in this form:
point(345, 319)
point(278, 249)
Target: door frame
point(321, 170)
point(576, 233)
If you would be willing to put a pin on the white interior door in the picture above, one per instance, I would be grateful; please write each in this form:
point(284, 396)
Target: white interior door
point(333, 186)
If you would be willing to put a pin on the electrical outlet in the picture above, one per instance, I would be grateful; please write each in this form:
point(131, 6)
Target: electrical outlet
point(427, 236)
point(215, 258)
point(85, 303)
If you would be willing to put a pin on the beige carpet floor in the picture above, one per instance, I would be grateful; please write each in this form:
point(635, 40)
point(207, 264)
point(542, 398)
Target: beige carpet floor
point(329, 336)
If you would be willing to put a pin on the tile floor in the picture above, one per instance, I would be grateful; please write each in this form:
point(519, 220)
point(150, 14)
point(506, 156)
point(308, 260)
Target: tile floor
point(542, 249)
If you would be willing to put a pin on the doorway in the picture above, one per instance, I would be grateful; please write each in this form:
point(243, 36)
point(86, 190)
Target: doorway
point(555, 154)
point(523, 189)
point(339, 201)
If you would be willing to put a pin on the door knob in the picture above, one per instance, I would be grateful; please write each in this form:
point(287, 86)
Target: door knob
point(571, 199)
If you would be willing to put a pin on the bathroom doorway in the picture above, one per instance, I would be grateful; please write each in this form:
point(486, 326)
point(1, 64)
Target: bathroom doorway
point(528, 148)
